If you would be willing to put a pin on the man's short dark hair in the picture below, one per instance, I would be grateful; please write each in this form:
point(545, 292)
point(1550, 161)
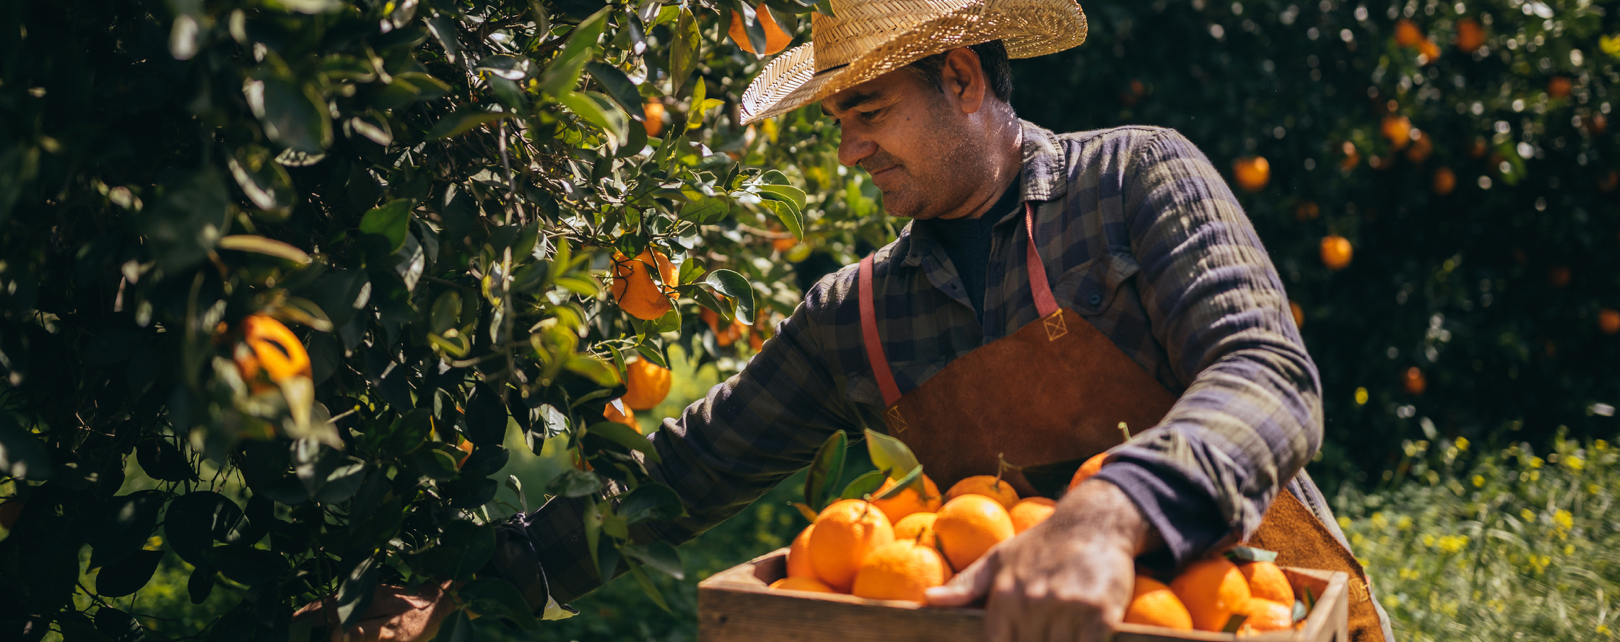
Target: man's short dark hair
point(992, 59)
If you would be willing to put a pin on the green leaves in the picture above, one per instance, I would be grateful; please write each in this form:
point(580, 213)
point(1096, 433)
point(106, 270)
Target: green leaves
point(890, 455)
point(825, 469)
point(390, 223)
point(619, 88)
point(737, 288)
point(291, 113)
point(129, 574)
point(597, 110)
point(496, 597)
point(196, 520)
point(464, 120)
point(126, 523)
point(564, 72)
point(624, 436)
point(683, 54)
point(21, 454)
point(188, 221)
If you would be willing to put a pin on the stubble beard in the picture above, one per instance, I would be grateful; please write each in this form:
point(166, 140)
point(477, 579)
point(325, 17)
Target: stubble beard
point(942, 176)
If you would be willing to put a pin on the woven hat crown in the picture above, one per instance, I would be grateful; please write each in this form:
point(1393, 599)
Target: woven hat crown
point(864, 39)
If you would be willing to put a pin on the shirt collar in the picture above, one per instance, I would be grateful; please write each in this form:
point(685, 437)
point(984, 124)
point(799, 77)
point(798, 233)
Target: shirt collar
point(1042, 179)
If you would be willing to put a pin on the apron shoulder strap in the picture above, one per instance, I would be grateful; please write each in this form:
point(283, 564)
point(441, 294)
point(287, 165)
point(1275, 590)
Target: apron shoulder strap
point(874, 343)
point(1045, 303)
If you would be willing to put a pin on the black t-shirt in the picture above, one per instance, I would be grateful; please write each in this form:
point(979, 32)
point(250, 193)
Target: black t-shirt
point(967, 242)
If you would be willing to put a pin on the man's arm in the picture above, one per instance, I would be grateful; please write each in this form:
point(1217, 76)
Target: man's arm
point(1251, 416)
point(750, 432)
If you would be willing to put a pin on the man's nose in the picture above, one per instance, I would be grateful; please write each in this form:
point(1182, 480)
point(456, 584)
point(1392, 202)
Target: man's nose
point(854, 148)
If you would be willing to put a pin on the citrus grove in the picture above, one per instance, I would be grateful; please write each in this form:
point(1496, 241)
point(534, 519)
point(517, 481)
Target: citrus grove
point(283, 283)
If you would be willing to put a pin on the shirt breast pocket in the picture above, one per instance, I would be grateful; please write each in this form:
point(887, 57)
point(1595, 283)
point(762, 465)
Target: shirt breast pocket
point(1094, 287)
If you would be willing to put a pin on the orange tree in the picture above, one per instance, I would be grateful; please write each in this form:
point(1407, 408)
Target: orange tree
point(293, 256)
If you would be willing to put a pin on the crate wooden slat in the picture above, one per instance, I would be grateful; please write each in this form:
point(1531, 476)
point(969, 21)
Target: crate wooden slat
point(736, 605)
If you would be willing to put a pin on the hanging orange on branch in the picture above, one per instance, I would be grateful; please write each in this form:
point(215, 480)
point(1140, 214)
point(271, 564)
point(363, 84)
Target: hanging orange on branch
point(646, 384)
point(633, 287)
point(1336, 252)
point(269, 347)
point(1252, 173)
point(775, 39)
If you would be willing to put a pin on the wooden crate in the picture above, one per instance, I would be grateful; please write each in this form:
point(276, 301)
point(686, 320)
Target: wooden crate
point(736, 606)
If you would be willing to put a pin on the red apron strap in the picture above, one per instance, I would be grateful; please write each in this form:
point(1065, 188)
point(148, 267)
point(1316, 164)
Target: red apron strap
point(874, 343)
point(1045, 303)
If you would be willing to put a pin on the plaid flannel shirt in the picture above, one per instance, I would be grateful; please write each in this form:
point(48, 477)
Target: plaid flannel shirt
point(1142, 237)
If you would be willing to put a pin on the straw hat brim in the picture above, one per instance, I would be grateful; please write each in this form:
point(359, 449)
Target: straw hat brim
point(1028, 28)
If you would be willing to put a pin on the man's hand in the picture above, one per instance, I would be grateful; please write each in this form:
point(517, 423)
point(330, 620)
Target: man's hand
point(1068, 578)
point(395, 615)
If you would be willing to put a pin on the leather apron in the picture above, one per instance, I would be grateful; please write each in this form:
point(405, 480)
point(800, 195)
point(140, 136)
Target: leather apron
point(1055, 391)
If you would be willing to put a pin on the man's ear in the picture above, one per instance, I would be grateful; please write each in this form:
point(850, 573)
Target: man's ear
point(963, 80)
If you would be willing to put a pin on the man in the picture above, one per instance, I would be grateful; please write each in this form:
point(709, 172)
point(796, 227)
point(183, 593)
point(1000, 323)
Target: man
point(1056, 282)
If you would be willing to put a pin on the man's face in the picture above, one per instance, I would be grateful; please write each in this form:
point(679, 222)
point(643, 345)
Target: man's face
point(907, 135)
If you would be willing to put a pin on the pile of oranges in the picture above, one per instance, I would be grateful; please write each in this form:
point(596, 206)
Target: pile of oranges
point(896, 548)
point(1210, 594)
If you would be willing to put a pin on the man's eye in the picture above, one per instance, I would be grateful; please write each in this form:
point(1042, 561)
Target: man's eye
point(870, 115)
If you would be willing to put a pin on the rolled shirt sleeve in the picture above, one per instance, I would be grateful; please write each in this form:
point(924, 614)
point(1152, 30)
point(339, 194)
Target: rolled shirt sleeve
point(1251, 415)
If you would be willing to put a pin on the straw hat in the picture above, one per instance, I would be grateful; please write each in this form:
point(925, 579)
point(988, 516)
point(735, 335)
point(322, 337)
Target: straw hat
point(869, 38)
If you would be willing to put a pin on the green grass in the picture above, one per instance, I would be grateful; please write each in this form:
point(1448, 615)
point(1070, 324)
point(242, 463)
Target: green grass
point(1503, 545)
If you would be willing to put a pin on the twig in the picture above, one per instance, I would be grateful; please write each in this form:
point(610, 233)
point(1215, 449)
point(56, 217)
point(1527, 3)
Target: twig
point(767, 234)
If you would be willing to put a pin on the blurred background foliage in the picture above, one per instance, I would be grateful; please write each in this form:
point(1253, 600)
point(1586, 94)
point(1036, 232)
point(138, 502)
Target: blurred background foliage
point(430, 192)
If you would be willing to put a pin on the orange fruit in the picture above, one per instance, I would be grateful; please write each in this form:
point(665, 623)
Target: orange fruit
point(987, 485)
point(275, 351)
point(628, 417)
point(907, 502)
point(1298, 314)
point(1212, 589)
point(846, 532)
point(633, 287)
point(1352, 158)
point(1422, 147)
point(917, 527)
point(901, 570)
point(1598, 124)
point(798, 558)
point(1266, 615)
point(1413, 380)
point(1029, 512)
point(1445, 180)
point(968, 526)
point(1307, 211)
point(466, 446)
point(1336, 252)
point(1470, 36)
point(1559, 87)
point(1154, 604)
point(1252, 173)
point(1608, 321)
point(1559, 276)
point(1268, 582)
point(646, 384)
point(1087, 469)
point(655, 117)
point(775, 39)
point(9, 512)
point(1407, 33)
point(1398, 129)
point(811, 584)
point(1430, 51)
point(783, 245)
point(722, 337)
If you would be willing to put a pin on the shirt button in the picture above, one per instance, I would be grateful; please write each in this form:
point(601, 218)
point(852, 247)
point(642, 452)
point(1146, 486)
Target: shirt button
point(1094, 299)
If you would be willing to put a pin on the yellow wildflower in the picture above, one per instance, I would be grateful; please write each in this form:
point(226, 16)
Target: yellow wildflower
point(1403, 523)
point(1600, 445)
point(1479, 481)
point(1574, 463)
point(1428, 540)
point(1603, 628)
point(1563, 520)
point(1379, 521)
point(1569, 549)
point(1527, 515)
point(1453, 543)
point(1361, 396)
point(1461, 443)
point(1535, 475)
point(1536, 462)
point(1592, 489)
point(1344, 522)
